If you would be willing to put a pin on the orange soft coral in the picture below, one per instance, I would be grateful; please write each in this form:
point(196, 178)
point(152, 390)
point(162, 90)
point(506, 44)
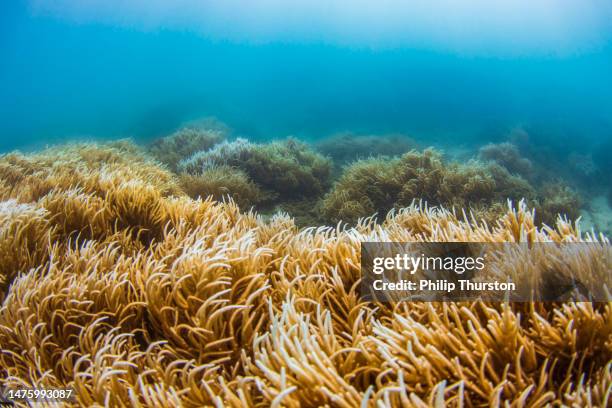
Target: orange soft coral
point(134, 296)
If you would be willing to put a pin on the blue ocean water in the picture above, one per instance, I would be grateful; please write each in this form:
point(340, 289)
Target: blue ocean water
point(64, 73)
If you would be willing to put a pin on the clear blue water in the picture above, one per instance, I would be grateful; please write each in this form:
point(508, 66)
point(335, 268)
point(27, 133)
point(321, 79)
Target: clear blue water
point(65, 73)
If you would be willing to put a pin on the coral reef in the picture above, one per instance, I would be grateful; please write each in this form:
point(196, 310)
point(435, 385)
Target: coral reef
point(220, 307)
point(25, 236)
point(228, 153)
point(347, 147)
point(545, 168)
point(583, 165)
point(508, 156)
point(305, 212)
point(183, 143)
point(222, 182)
point(365, 187)
point(378, 185)
point(288, 168)
point(90, 167)
point(94, 191)
point(557, 198)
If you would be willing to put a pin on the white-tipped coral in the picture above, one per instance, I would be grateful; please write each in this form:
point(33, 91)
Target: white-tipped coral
point(224, 154)
point(186, 141)
point(26, 234)
point(288, 169)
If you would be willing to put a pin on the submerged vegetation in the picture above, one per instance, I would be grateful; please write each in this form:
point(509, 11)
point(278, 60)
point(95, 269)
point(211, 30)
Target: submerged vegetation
point(225, 182)
point(186, 141)
point(346, 147)
point(381, 184)
point(117, 284)
point(360, 176)
point(288, 168)
point(141, 283)
point(508, 156)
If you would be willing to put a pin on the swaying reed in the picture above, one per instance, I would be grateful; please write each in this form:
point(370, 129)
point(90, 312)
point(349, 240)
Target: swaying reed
point(118, 285)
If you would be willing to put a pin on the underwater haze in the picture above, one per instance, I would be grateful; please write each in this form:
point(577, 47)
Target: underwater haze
point(197, 198)
point(460, 71)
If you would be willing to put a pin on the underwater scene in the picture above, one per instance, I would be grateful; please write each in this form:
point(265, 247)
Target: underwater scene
point(186, 189)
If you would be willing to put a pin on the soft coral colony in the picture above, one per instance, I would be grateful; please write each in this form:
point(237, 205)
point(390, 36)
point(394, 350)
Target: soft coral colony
point(116, 283)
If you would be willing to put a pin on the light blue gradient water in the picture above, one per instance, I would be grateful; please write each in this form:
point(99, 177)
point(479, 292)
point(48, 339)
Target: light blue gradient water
point(62, 78)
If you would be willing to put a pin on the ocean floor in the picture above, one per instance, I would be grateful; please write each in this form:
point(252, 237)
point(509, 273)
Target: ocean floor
point(598, 215)
point(128, 275)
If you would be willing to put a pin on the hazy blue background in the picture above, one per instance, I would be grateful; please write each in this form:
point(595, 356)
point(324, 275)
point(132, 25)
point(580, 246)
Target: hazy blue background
point(433, 69)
